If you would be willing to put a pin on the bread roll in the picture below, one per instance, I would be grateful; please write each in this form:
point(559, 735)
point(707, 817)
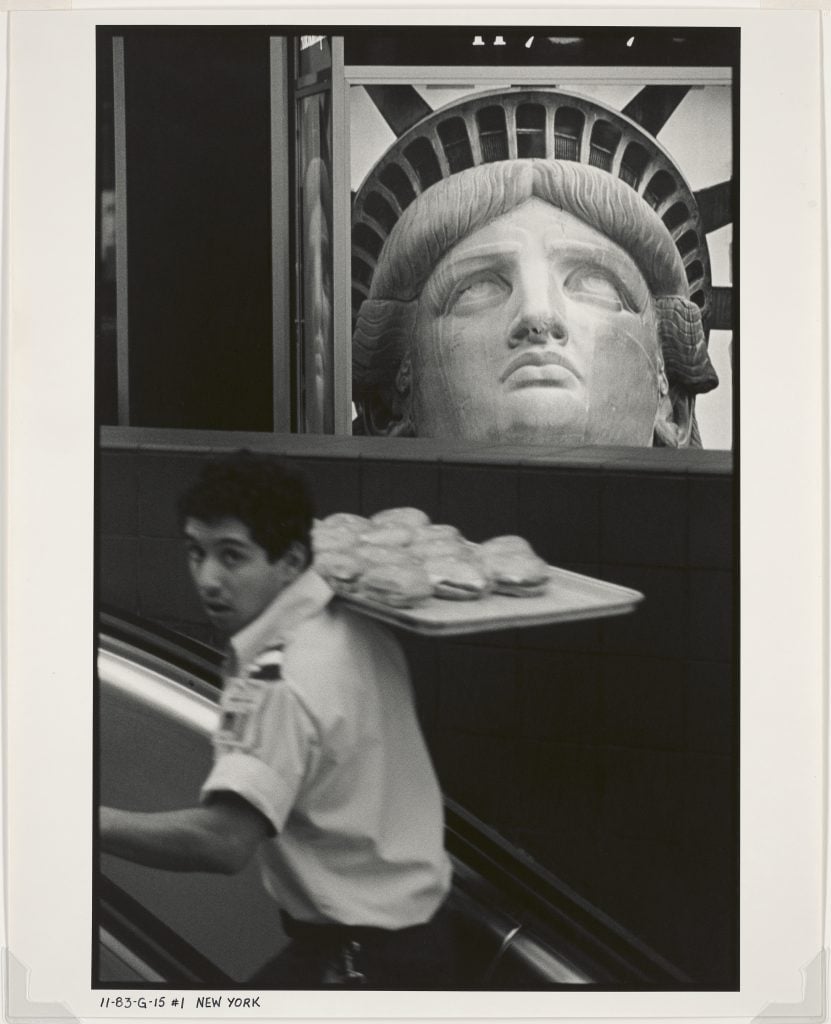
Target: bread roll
point(406, 516)
point(435, 531)
point(429, 550)
point(400, 586)
point(516, 574)
point(508, 543)
point(456, 579)
point(350, 520)
point(377, 554)
point(387, 536)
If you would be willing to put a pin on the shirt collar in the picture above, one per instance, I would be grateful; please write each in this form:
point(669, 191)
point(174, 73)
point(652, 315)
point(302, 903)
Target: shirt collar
point(305, 597)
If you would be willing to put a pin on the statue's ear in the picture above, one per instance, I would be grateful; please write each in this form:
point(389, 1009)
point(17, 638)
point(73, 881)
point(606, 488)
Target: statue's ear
point(386, 411)
point(674, 416)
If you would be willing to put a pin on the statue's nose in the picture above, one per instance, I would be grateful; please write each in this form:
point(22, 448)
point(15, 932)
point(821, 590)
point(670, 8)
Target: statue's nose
point(540, 317)
point(539, 323)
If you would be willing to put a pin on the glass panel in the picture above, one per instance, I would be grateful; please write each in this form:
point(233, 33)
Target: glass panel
point(605, 139)
point(453, 134)
point(399, 184)
point(675, 216)
point(363, 237)
point(314, 177)
point(687, 243)
point(314, 60)
point(530, 128)
point(633, 164)
point(424, 162)
point(493, 134)
point(695, 271)
point(568, 127)
point(379, 209)
point(659, 188)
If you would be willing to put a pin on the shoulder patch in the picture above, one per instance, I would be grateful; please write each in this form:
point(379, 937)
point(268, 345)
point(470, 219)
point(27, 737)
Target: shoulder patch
point(241, 707)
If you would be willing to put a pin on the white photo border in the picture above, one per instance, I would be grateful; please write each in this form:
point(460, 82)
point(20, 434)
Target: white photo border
point(49, 554)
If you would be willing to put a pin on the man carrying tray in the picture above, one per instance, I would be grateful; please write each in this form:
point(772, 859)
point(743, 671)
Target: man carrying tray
point(320, 769)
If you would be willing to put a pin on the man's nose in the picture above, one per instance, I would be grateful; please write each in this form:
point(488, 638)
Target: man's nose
point(207, 577)
point(540, 318)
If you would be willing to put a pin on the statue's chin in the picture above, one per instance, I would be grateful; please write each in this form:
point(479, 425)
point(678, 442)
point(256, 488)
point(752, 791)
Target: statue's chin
point(542, 417)
point(532, 416)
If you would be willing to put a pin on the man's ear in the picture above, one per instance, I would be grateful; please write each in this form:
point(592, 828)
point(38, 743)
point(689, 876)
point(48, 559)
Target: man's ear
point(674, 416)
point(294, 559)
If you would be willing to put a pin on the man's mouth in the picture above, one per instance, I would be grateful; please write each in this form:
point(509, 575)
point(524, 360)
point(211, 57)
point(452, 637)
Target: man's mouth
point(216, 608)
point(540, 369)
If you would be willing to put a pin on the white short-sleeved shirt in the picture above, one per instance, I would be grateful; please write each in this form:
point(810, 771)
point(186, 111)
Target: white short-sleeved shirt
point(318, 731)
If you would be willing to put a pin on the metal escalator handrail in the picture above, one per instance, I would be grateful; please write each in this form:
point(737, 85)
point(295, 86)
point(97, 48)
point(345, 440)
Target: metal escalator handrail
point(546, 898)
point(181, 650)
point(154, 943)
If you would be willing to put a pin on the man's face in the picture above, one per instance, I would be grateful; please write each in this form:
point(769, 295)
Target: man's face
point(233, 576)
point(536, 328)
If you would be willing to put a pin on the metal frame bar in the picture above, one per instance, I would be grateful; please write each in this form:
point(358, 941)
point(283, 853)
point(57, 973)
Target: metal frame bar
point(341, 244)
point(504, 77)
point(281, 333)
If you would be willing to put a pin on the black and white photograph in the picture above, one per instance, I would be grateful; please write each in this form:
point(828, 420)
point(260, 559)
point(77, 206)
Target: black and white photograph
point(540, 291)
point(422, 402)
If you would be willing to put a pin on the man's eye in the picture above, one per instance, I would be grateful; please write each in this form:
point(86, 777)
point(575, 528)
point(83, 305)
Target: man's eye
point(230, 559)
point(195, 554)
point(598, 288)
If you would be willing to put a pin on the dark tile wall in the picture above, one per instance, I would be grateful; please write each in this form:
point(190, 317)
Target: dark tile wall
point(608, 749)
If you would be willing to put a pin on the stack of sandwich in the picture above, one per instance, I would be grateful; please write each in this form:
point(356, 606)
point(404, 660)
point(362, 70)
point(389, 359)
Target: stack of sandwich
point(399, 558)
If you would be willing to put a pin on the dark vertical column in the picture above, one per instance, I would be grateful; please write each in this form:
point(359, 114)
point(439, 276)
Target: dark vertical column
point(199, 221)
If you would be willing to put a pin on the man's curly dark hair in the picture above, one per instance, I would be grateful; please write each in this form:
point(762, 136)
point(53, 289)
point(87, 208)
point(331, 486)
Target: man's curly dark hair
point(266, 494)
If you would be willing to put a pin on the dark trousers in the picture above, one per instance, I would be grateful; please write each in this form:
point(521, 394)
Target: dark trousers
point(322, 956)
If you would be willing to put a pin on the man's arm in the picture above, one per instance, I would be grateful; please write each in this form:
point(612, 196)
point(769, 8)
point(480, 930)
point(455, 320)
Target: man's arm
point(220, 836)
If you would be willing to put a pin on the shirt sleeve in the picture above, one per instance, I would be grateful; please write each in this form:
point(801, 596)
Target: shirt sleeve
point(264, 746)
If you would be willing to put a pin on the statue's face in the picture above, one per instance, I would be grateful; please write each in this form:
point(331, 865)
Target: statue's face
point(536, 328)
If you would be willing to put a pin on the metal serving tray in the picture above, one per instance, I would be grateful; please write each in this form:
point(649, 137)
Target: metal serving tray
point(569, 597)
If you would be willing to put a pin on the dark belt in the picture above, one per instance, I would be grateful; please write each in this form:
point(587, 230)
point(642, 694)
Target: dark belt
point(343, 947)
point(326, 934)
point(348, 955)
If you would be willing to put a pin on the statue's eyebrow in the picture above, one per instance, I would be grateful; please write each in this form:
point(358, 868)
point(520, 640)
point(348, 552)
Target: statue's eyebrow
point(457, 266)
point(619, 263)
point(483, 251)
point(555, 245)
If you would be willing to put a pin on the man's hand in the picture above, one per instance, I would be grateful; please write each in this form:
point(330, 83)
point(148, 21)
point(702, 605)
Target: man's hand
point(220, 836)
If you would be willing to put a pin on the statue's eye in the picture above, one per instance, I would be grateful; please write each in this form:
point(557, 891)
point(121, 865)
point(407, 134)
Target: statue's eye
point(598, 287)
point(477, 292)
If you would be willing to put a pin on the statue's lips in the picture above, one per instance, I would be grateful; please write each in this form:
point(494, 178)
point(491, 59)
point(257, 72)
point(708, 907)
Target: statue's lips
point(540, 369)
